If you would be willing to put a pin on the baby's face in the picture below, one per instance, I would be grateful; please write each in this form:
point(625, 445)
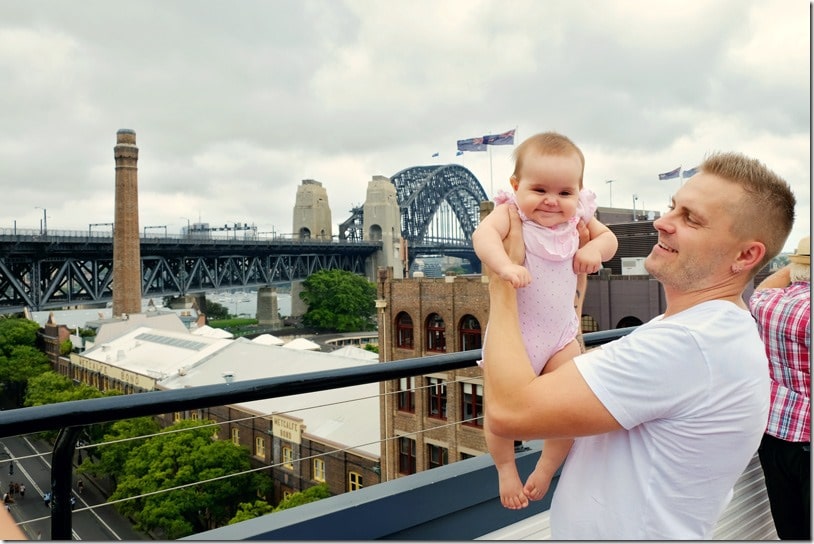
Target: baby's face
point(548, 189)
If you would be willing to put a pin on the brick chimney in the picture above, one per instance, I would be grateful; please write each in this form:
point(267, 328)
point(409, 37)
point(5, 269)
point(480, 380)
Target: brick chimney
point(126, 240)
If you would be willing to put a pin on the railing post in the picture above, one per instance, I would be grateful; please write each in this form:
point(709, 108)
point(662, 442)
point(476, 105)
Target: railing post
point(61, 479)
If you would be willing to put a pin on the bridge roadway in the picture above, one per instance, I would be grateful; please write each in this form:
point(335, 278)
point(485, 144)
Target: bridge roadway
point(69, 268)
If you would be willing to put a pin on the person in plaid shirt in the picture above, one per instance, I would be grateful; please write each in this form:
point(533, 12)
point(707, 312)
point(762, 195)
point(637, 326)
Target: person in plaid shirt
point(781, 305)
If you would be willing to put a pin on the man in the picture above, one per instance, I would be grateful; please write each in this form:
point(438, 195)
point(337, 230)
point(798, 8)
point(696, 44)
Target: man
point(781, 305)
point(665, 419)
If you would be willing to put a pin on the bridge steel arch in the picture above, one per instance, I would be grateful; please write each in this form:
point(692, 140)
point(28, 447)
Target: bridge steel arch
point(420, 192)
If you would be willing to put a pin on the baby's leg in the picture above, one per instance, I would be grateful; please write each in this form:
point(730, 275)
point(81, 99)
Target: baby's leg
point(510, 486)
point(555, 449)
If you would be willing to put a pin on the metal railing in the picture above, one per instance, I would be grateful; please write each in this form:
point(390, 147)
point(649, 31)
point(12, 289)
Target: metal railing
point(73, 416)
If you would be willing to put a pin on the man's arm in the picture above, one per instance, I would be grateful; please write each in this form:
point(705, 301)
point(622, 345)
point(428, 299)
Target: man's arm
point(558, 404)
point(779, 279)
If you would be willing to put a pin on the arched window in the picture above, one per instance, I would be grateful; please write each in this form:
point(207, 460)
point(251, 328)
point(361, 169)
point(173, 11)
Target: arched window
point(404, 331)
point(629, 321)
point(436, 334)
point(589, 324)
point(470, 333)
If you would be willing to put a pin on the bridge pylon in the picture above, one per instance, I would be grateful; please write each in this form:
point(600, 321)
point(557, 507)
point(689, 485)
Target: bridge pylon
point(382, 223)
point(312, 214)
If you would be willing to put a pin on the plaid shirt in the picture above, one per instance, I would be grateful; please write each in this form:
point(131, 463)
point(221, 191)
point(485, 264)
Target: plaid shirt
point(784, 320)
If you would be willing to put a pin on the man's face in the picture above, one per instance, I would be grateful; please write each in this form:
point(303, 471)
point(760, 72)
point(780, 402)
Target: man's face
point(548, 189)
point(696, 246)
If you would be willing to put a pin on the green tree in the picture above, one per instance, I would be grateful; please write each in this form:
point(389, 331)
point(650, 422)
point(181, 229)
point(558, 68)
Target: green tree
point(172, 459)
point(339, 300)
point(215, 310)
point(18, 332)
point(50, 387)
point(249, 510)
point(20, 360)
point(107, 459)
point(311, 494)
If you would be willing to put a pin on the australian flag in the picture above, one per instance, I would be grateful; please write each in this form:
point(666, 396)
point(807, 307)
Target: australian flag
point(672, 174)
point(504, 138)
point(689, 173)
point(471, 144)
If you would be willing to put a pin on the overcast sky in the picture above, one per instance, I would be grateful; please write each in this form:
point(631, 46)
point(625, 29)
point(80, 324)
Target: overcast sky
point(235, 103)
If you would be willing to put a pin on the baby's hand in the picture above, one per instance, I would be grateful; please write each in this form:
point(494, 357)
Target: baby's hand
point(587, 260)
point(515, 274)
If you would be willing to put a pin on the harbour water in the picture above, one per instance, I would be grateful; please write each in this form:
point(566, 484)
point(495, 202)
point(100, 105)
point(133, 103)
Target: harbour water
point(240, 303)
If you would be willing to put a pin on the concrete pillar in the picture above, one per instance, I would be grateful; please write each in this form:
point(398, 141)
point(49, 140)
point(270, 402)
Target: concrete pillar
point(298, 306)
point(312, 214)
point(126, 239)
point(268, 314)
point(382, 222)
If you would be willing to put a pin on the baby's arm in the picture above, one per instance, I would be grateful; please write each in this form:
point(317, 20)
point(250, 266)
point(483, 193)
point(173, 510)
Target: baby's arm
point(487, 240)
point(601, 247)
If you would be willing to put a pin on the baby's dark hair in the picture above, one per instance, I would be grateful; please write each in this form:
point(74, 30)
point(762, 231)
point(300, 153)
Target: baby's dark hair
point(546, 143)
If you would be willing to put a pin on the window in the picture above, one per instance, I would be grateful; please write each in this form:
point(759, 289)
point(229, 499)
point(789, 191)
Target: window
point(437, 456)
point(404, 331)
point(260, 446)
point(436, 336)
point(176, 417)
point(406, 455)
point(354, 481)
point(287, 493)
point(194, 415)
point(406, 394)
point(436, 398)
point(470, 333)
point(288, 457)
point(472, 395)
point(235, 436)
point(319, 470)
point(465, 455)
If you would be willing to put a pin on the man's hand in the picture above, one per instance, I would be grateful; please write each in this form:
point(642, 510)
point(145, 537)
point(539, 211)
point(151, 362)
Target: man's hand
point(513, 243)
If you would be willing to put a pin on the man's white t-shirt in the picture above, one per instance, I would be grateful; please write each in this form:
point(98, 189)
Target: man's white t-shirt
point(692, 393)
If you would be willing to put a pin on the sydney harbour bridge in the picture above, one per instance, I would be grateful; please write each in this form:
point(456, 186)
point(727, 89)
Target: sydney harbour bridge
point(438, 205)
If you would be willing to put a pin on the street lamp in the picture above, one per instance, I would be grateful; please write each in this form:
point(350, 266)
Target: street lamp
point(44, 229)
point(635, 198)
point(610, 182)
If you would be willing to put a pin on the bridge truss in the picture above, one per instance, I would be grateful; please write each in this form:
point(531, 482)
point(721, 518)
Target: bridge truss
point(41, 274)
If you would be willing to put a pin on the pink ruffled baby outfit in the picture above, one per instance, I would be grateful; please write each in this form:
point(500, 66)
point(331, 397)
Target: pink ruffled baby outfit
point(546, 306)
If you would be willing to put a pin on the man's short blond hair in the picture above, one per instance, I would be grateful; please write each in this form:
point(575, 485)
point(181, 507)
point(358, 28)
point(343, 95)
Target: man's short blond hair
point(765, 212)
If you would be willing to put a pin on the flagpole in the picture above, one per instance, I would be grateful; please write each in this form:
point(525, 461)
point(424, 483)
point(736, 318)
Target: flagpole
point(491, 184)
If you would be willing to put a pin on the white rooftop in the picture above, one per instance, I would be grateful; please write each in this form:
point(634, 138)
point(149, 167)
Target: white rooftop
point(348, 417)
point(301, 344)
point(268, 340)
point(157, 353)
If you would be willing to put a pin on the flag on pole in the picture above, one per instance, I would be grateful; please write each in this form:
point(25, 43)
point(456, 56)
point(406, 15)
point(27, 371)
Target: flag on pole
point(471, 144)
point(689, 173)
point(672, 174)
point(504, 138)
point(435, 154)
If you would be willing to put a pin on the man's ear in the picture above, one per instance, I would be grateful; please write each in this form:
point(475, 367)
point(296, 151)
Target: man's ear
point(750, 256)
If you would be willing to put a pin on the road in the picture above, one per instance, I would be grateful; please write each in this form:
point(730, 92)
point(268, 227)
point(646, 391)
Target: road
point(92, 518)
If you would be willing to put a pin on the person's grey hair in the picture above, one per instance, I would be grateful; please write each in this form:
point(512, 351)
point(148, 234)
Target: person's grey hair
point(800, 272)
